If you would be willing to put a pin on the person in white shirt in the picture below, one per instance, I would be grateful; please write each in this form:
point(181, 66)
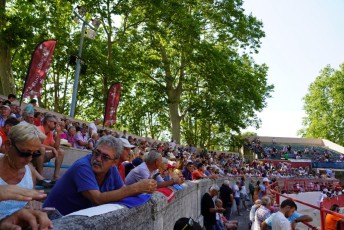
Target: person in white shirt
point(279, 220)
point(236, 192)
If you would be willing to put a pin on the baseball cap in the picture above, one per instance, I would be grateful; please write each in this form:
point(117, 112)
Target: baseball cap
point(126, 143)
point(265, 179)
point(5, 106)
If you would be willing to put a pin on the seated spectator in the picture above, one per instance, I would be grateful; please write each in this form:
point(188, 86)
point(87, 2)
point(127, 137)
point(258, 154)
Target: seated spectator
point(124, 156)
point(187, 171)
point(28, 118)
point(51, 145)
point(92, 142)
point(221, 221)
point(93, 180)
point(22, 145)
point(5, 112)
point(262, 213)
point(70, 135)
point(37, 118)
point(149, 169)
point(81, 139)
point(199, 173)
point(24, 217)
point(9, 123)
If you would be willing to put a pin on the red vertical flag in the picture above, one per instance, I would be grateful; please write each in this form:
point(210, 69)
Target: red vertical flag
point(112, 102)
point(39, 66)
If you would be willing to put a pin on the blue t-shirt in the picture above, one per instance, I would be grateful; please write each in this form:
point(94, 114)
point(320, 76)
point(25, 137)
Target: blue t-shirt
point(66, 195)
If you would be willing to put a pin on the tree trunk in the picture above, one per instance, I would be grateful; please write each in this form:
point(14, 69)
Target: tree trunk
point(175, 120)
point(7, 85)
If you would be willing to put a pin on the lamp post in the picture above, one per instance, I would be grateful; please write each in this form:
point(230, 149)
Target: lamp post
point(95, 24)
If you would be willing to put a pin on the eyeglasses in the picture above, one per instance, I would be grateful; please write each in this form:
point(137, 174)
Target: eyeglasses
point(190, 223)
point(96, 153)
point(27, 154)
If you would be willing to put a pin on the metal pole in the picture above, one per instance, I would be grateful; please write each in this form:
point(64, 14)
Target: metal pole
point(77, 71)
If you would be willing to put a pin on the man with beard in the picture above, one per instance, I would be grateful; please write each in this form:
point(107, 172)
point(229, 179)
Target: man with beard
point(94, 180)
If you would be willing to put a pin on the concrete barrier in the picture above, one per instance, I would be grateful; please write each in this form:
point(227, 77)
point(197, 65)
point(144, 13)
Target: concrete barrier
point(156, 214)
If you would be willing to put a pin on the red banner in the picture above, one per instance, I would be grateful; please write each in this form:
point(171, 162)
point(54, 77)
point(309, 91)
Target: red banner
point(112, 102)
point(39, 66)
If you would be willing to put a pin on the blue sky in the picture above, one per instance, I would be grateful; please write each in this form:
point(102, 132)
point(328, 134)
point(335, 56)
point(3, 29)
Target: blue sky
point(301, 38)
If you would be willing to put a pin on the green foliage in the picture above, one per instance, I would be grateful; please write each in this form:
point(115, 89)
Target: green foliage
point(185, 66)
point(323, 105)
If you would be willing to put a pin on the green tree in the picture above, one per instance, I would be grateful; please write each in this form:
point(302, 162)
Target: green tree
point(323, 106)
point(210, 41)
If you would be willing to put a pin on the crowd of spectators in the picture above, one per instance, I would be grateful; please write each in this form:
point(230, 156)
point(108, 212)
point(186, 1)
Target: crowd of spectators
point(119, 159)
point(292, 151)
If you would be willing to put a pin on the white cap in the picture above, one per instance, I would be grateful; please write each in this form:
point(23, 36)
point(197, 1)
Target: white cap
point(265, 179)
point(126, 143)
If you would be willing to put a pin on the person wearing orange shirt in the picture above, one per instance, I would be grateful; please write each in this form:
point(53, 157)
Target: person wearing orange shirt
point(4, 131)
point(51, 145)
point(332, 220)
point(199, 173)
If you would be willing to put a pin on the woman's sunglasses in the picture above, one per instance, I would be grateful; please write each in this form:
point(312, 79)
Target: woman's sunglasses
point(27, 154)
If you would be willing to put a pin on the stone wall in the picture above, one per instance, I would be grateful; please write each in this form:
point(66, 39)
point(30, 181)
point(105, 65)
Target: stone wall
point(155, 214)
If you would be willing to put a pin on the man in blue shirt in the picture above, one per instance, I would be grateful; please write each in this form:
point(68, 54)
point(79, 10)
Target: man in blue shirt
point(94, 180)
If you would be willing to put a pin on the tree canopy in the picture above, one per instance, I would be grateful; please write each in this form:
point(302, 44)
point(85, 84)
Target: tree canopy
point(323, 105)
point(185, 66)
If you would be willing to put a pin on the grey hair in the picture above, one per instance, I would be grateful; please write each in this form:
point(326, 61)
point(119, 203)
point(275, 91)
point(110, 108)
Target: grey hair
point(152, 156)
point(265, 200)
point(24, 132)
point(113, 143)
point(164, 160)
point(47, 117)
point(214, 187)
point(226, 182)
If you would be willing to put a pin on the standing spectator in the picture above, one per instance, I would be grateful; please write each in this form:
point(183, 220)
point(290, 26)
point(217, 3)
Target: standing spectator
point(208, 209)
point(279, 220)
point(226, 195)
point(243, 193)
point(251, 189)
point(262, 213)
point(262, 188)
point(29, 108)
point(253, 210)
point(236, 191)
point(331, 221)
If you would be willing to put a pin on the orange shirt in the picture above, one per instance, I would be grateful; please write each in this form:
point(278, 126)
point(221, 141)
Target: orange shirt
point(197, 175)
point(331, 222)
point(3, 136)
point(50, 138)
